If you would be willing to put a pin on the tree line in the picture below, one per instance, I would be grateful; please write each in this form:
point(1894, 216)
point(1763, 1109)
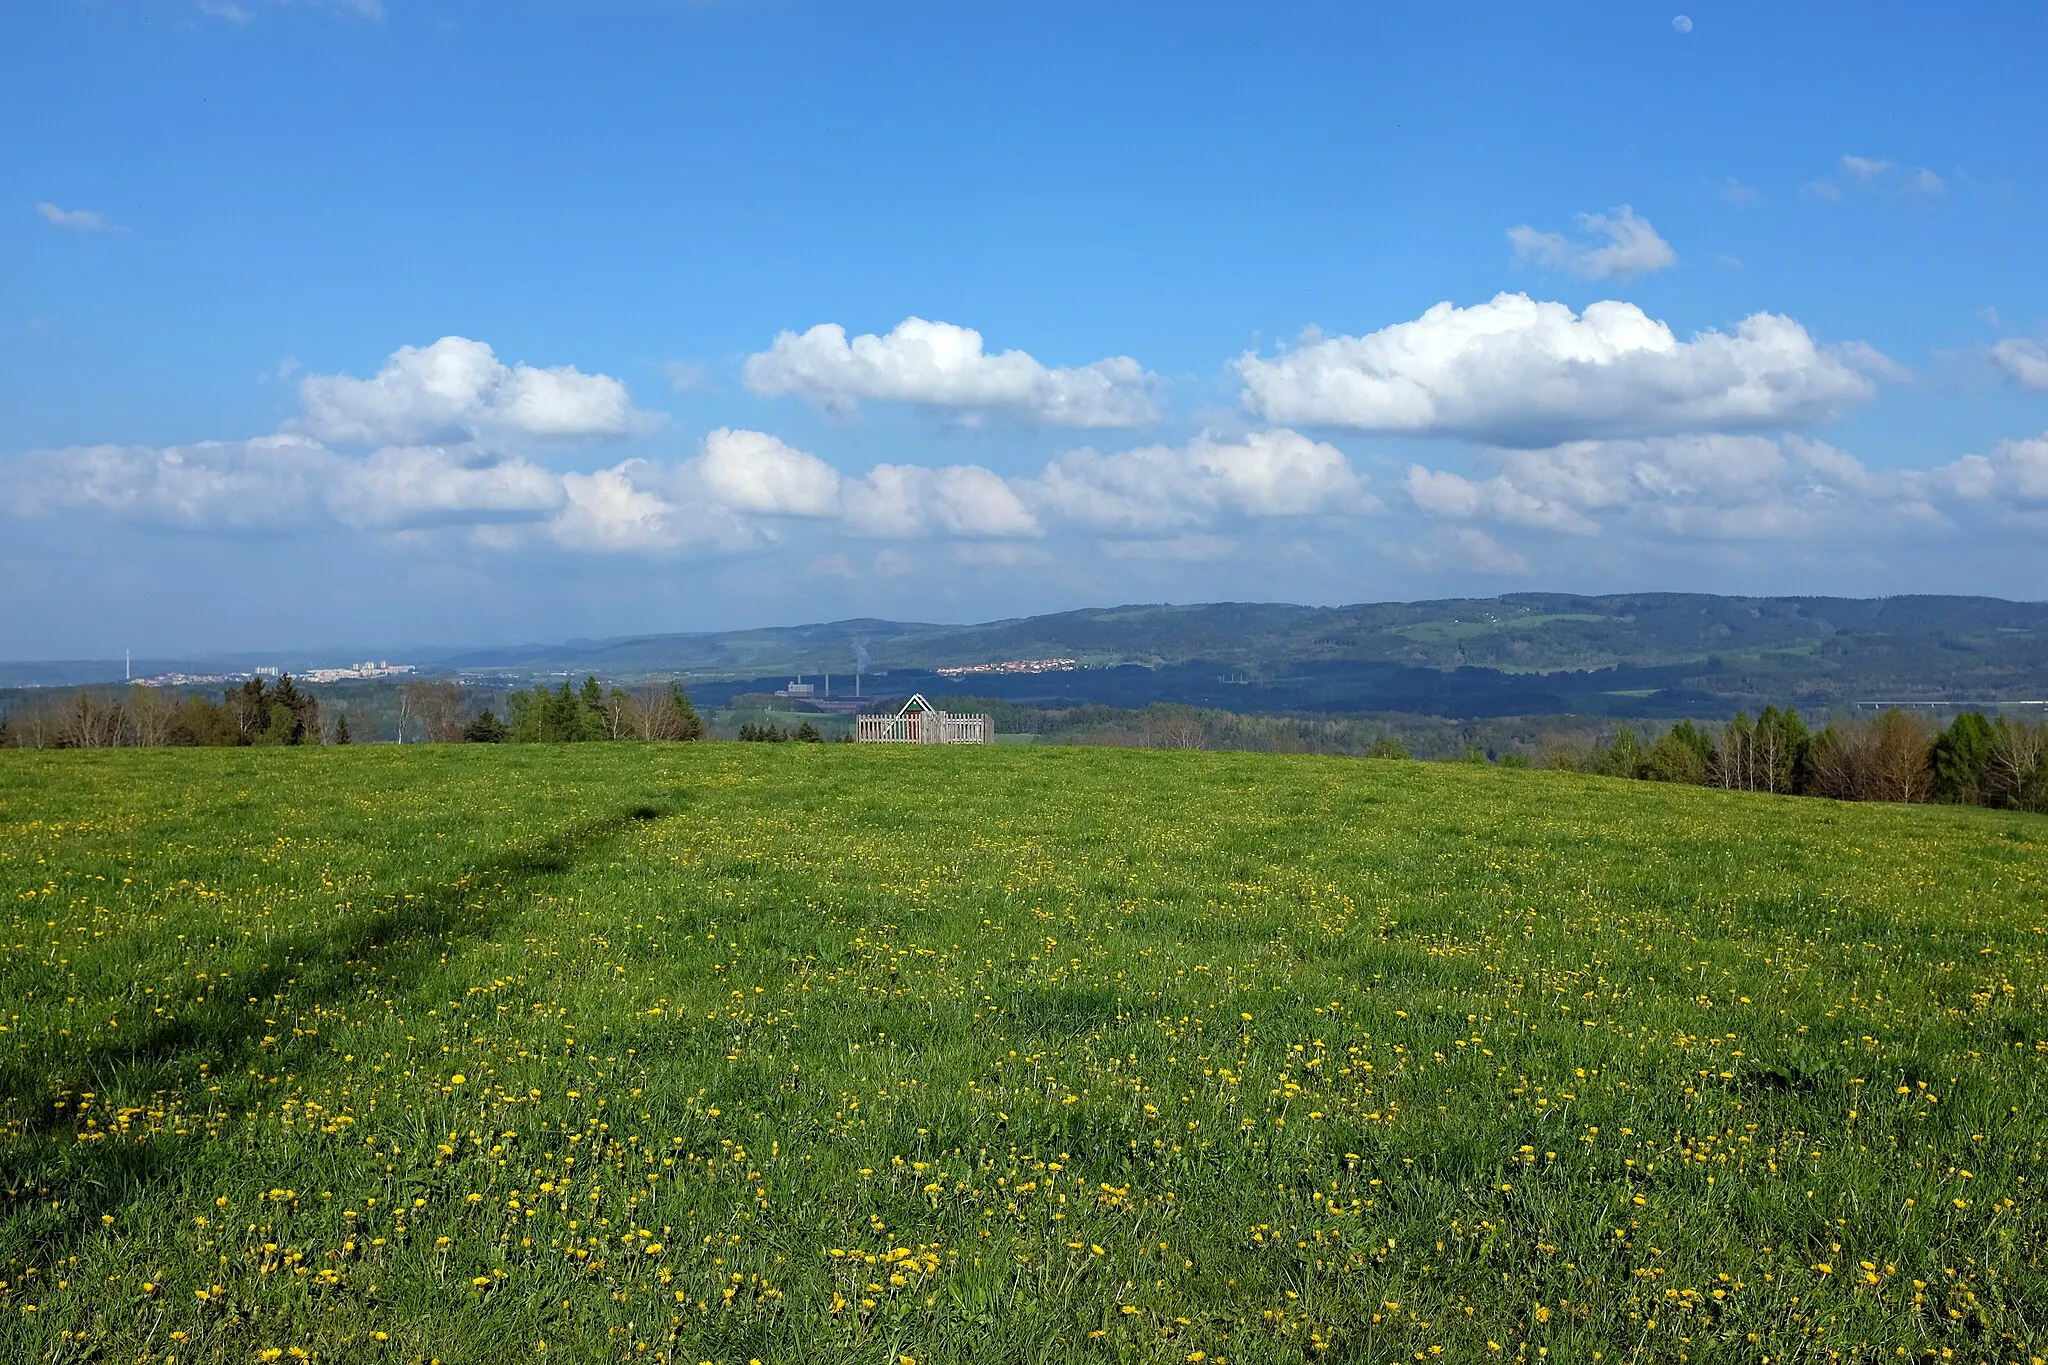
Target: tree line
point(1893, 756)
point(257, 712)
point(261, 712)
point(1896, 755)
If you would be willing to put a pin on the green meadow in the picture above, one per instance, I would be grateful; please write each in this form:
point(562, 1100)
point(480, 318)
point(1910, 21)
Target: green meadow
point(731, 1053)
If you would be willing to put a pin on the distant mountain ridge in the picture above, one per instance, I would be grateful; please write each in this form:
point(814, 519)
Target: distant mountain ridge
point(1840, 648)
point(1634, 653)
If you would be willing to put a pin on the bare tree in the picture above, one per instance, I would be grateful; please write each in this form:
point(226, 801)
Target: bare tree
point(151, 711)
point(1841, 762)
point(1900, 763)
point(2017, 752)
point(643, 711)
point(618, 715)
point(1735, 765)
point(33, 727)
point(362, 725)
point(436, 705)
point(1181, 729)
point(654, 711)
point(1564, 753)
point(92, 720)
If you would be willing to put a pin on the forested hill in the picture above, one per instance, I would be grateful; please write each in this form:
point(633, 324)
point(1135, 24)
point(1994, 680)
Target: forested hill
point(1832, 649)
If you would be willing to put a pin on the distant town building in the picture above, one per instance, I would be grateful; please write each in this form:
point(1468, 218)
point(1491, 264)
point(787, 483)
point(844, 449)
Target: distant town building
point(919, 722)
point(1009, 666)
point(369, 668)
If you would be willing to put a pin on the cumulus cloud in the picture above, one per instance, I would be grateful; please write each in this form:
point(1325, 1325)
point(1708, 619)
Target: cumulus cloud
point(1518, 372)
point(751, 471)
point(609, 510)
point(1866, 167)
point(1471, 549)
point(1616, 243)
point(409, 484)
point(2025, 362)
point(271, 481)
point(2014, 471)
point(1274, 473)
point(457, 390)
point(956, 500)
point(1452, 496)
point(78, 220)
point(1717, 486)
point(937, 364)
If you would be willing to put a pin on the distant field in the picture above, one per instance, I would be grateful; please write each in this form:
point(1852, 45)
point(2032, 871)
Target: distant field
point(822, 1053)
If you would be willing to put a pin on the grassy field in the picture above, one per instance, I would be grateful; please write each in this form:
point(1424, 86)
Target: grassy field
point(814, 1052)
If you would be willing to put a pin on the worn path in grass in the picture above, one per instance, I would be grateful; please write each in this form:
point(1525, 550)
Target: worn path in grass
point(791, 1052)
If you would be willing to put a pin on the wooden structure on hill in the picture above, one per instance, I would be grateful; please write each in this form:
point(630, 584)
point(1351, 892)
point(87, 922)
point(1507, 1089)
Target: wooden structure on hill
point(919, 722)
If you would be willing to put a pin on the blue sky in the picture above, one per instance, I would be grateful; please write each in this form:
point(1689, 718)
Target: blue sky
point(425, 321)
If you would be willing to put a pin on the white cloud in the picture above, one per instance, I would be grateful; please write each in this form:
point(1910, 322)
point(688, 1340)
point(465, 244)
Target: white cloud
point(956, 500)
point(1462, 549)
point(1183, 549)
point(751, 471)
point(687, 376)
point(607, 510)
point(1683, 23)
point(1924, 181)
point(1002, 553)
point(1865, 358)
point(458, 390)
point(1274, 473)
point(1866, 167)
point(268, 482)
point(1824, 189)
point(1719, 486)
point(2025, 362)
point(1519, 372)
point(1616, 243)
point(1742, 196)
point(2014, 471)
point(1454, 497)
point(236, 13)
point(401, 484)
point(78, 220)
point(937, 364)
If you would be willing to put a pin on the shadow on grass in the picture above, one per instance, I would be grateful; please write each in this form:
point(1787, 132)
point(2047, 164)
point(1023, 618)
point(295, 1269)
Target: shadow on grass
point(46, 1169)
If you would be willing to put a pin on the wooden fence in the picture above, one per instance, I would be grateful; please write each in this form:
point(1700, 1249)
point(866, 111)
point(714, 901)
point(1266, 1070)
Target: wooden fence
point(926, 727)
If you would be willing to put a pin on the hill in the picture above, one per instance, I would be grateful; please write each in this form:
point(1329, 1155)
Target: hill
point(793, 1053)
point(1525, 653)
point(1639, 655)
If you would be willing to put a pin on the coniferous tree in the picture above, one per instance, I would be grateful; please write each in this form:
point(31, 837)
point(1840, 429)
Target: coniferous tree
point(486, 729)
point(683, 722)
point(1962, 759)
point(341, 729)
